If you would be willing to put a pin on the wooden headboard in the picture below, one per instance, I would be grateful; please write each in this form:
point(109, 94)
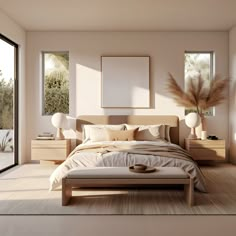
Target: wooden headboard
point(172, 121)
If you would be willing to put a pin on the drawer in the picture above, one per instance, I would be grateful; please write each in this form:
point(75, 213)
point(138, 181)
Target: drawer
point(206, 144)
point(49, 143)
point(207, 154)
point(48, 154)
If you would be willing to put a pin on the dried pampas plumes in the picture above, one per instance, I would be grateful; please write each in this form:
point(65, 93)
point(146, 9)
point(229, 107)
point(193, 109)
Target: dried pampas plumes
point(200, 94)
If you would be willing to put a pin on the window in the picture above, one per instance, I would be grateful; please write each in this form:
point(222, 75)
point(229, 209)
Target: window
point(55, 82)
point(8, 103)
point(199, 63)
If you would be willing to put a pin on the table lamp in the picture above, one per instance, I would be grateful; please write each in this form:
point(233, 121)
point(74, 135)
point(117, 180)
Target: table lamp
point(192, 120)
point(59, 121)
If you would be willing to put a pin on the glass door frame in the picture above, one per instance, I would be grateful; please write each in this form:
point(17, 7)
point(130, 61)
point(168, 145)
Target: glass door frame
point(16, 101)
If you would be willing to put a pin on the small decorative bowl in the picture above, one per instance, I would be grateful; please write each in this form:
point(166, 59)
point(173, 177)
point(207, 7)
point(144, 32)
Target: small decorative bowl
point(140, 167)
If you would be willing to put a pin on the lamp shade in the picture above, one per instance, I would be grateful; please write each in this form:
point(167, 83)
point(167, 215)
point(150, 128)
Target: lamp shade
point(192, 120)
point(59, 120)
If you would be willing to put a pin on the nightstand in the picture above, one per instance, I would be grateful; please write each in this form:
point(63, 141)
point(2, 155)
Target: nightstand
point(206, 150)
point(54, 151)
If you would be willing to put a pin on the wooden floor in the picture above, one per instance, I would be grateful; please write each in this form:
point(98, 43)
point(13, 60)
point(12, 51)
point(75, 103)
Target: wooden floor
point(24, 190)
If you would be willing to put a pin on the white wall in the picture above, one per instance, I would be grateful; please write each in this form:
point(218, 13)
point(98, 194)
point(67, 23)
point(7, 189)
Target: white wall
point(232, 114)
point(13, 31)
point(166, 50)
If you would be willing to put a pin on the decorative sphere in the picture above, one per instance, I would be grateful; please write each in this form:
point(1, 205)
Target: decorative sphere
point(192, 120)
point(59, 120)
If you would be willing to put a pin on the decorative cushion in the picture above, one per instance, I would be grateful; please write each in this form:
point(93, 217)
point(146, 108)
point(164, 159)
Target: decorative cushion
point(121, 135)
point(148, 132)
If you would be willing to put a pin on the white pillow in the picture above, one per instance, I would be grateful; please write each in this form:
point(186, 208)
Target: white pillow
point(96, 133)
point(148, 132)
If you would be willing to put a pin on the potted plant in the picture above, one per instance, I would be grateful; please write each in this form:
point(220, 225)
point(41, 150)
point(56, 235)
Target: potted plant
point(6, 142)
point(199, 95)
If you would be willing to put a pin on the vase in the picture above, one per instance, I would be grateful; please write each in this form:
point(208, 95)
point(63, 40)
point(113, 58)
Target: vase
point(202, 127)
point(192, 120)
point(203, 135)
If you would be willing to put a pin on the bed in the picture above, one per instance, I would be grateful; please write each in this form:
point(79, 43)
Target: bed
point(160, 149)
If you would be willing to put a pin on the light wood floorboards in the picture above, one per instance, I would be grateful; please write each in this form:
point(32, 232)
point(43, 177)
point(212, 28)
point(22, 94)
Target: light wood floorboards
point(24, 190)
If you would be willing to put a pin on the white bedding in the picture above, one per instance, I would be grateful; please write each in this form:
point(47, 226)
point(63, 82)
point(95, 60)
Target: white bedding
point(113, 154)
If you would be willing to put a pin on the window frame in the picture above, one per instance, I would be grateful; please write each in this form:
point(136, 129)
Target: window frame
point(212, 71)
point(43, 78)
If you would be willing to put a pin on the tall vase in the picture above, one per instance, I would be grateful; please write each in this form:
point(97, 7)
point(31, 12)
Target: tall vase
point(202, 127)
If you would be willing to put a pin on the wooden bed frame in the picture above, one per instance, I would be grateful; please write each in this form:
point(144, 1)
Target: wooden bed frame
point(172, 121)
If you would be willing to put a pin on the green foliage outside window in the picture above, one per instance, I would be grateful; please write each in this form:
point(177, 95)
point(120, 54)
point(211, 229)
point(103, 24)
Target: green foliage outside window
point(56, 83)
point(198, 63)
point(6, 103)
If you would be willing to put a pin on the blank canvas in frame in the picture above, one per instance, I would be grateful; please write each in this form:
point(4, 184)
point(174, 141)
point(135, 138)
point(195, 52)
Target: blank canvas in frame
point(125, 82)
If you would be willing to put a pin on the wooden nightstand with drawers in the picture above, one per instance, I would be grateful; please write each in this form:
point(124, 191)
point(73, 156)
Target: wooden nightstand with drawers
point(50, 151)
point(206, 150)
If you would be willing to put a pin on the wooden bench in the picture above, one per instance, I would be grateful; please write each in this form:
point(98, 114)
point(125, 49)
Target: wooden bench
point(121, 176)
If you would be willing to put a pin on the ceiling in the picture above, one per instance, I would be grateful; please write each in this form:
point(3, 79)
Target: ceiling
point(122, 15)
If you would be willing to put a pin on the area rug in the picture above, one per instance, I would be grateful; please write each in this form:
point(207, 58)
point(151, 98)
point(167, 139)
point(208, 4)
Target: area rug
point(24, 191)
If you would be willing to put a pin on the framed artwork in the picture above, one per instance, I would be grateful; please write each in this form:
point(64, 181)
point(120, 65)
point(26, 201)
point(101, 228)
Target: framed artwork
point(125, 81)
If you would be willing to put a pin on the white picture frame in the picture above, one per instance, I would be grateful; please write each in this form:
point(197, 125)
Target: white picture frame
point(125, 82)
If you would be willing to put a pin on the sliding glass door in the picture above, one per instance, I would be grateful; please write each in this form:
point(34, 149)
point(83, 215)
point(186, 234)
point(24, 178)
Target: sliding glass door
point(8, 103)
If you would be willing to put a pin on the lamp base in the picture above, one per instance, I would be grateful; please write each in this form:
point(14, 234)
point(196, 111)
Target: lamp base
point(192, 135)
point(60, 135)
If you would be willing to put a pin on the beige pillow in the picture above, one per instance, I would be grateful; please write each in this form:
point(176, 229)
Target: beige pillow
point(121, 135)
point(98, 132)
point(148, 132)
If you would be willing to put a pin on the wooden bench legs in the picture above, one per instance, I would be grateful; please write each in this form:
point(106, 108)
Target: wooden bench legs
point(66, 192)
point(189, 192)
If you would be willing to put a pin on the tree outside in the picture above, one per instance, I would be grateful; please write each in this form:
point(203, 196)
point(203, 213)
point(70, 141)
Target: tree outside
point(7, 75)
point(198, 64)
point(6, 103)
point(56, 82)
point(6, 114)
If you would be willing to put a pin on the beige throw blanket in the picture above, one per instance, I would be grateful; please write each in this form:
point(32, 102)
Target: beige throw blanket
point(146, 149)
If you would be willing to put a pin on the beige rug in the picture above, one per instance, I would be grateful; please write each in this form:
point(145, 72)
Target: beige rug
point(24, 190)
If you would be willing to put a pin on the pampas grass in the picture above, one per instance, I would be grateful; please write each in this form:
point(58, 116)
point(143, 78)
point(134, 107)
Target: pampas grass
point(200, 94)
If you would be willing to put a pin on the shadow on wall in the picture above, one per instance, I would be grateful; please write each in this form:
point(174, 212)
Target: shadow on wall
point(89, 75)
point(70, 130)
point(161, 60)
